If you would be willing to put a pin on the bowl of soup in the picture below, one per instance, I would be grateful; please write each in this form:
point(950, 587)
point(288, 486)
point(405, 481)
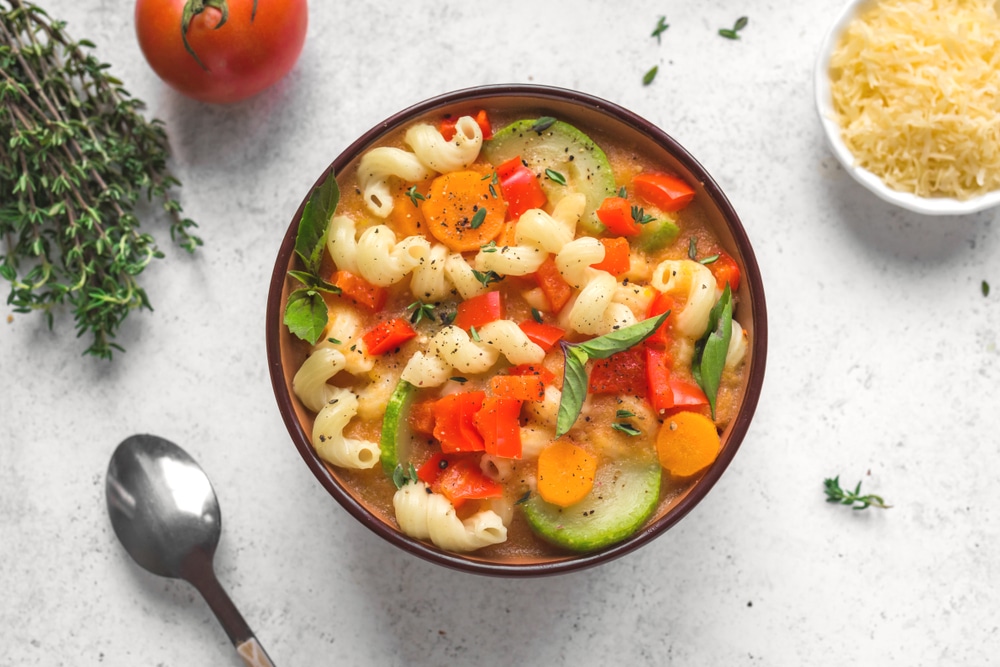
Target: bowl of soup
point(516, 330)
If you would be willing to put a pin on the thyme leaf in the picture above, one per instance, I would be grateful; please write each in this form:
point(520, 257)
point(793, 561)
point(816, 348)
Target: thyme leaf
point(661, 26)
point(650, 74)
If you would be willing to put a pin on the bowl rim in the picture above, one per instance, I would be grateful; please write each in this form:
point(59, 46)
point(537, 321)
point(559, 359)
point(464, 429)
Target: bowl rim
point(936, 206)
point(536, 95)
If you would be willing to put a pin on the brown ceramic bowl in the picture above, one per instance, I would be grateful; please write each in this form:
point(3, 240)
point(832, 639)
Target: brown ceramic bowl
point(285, 352)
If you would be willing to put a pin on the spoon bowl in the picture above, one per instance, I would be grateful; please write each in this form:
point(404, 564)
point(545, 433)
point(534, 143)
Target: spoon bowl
point(166, 514)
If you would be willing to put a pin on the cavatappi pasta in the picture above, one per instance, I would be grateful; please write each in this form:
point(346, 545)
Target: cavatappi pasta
point(475, 259)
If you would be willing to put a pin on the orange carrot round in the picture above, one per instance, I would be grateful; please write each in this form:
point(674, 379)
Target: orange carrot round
point(687, 443)
point(461, 212)
point(565, 473)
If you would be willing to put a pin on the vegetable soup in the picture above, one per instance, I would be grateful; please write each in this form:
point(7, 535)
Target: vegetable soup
point(517, 334)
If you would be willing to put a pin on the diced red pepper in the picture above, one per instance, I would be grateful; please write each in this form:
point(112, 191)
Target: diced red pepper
point(518, 387)
point(521, 189)
point(659, 392)
point(660, 304)
point(622, 373)
point(454, 422)
point(480, 310)
point(421, 417)
point(664, 191)
point(360, 291)
point(553, 285)
point(536, 370)
point(616, 214)
point(617, 256)
point(687, 394)
point(447, 125)
point(725, 271)
point(388, 335)
point(458, 478)
point(499, 423)
point(543, 335)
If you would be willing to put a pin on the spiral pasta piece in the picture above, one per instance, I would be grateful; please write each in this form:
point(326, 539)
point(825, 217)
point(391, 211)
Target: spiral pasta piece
point(375, 169)
point(382, 261)
point(441, 155)
point(424, 515)
point(310, 380)
point(693, 283)
point(328, 434)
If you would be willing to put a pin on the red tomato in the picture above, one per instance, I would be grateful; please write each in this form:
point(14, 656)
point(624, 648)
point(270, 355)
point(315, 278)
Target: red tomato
point(216, 61)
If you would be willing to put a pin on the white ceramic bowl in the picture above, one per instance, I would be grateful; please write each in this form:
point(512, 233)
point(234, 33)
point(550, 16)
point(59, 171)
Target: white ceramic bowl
point(824, 105)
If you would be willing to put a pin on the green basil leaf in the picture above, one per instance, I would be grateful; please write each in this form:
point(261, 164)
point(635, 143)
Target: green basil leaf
point(604, 346)
point(306, 315)
point(314, 282)
point(710, 354)
point(574, 391)
point(311, 236)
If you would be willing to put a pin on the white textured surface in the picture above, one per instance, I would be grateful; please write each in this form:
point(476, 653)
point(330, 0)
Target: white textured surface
point(882, 366)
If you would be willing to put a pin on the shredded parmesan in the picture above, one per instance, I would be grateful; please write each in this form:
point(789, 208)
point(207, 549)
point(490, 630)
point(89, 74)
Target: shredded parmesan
point(916, 90)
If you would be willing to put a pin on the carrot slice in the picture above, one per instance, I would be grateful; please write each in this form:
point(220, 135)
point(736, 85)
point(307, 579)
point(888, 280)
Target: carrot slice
point(461, 212)
point(687, 443)
point(565, 473)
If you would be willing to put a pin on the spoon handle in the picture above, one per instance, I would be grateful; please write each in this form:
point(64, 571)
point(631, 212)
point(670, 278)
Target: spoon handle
point(249, 649)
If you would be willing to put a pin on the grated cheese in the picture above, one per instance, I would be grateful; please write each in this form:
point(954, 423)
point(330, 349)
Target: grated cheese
point(916, 90)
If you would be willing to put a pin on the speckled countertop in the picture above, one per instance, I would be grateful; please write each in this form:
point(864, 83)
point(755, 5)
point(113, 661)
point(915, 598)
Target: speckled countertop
point(882, 367)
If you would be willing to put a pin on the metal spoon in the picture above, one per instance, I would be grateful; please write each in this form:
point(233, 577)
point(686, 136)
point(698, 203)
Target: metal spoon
point(166, 515)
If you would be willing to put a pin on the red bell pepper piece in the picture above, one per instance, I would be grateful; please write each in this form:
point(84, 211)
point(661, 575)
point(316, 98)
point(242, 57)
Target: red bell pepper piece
point(447, 125)
point(725, 271)
point(518, 387)
point(543, 335)
point(388, 335)
point(687, 394)
point(553, 285)
point(480, 310)
point(617, 256)
point(664, 191)
point(458, 478)
point(499, 423)
point(421, 417)
point(622, 373)
point(660, 304)
point(659, 392)
point(539, 371)
point(360, 291)
point(616, 214)
point(454, 422)
point(521, 189)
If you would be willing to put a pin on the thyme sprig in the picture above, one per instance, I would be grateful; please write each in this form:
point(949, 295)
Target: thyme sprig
point(835, 494)
point(77, 156)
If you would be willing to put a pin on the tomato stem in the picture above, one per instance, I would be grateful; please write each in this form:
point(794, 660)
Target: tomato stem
point(194, 7)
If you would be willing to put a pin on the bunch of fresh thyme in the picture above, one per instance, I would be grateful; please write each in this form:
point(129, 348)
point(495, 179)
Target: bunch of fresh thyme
point(75, 157)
